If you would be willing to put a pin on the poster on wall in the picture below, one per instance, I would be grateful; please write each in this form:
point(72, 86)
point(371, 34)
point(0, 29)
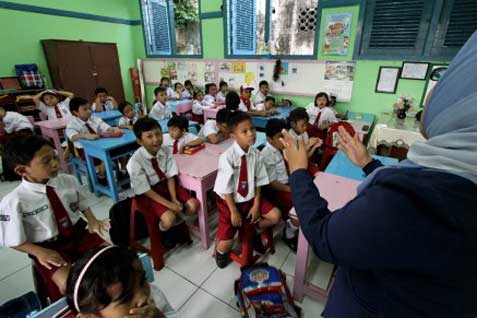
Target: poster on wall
point(209, 74)
point(238, 67)
point(338, 79)
point(337, 33)
point(284, 68)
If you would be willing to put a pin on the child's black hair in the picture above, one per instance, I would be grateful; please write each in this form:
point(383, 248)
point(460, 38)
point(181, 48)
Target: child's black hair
point(208, 87)
point(116, 265)
point(159, 89)
point(223, 83)
point(100, 90)
point(269, 98)
point(262, 83)
point(122, 105)
point(235, 118)
point(297, 114)
point(322, 94)
point(188, 82)
point(164, 79)
point(232, 101)
point(180, 122)
point(42, 97)
point(76, 102)
point(176, 84)
point(143, 125)
point(21, 150)
point(275, 126)
point(222, 116)
point(196, 92)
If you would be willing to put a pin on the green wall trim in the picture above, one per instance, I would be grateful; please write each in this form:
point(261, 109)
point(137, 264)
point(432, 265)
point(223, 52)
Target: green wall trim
point(211, 15)
point(71, 14)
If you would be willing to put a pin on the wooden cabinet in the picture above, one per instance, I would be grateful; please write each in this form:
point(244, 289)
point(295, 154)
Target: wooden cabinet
point(80, 67)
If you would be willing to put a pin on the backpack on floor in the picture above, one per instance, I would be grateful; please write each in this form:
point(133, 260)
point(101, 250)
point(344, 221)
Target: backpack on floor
point(120, 216)
point(262, 292)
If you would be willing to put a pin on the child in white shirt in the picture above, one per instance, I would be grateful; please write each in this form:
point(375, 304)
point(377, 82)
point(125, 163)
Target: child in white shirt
point(238, 185)
point(189, 87)
point(321, 116)
point(216, 131)
point(13, 124)
point(223, 90)
point(103, 101)
point(49, 103)
point(246, 104)
point(267, 105)
point(178, 139)
point(161, 109)
point(179, 92)
point(211, 94)
point(297, 120)
point(166, 83)
point(129, 117)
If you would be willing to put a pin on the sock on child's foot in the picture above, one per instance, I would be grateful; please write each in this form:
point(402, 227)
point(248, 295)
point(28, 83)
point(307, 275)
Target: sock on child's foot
point(291, 229)
point(162, 228)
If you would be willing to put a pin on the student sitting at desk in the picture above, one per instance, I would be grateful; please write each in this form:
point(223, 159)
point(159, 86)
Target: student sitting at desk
point(321, 116)
point(161, 109)
point(216, 131)
point(152, 169)
point(179, 92)
point(211, 95)
point(103, 101)
point(198, 106)
point(223, 90)
point(178, 139)
point(48, 103)
point(297, 121)
point(238, 185)
point(129, 115)
point(166, 84)
point(189, 87)
point(84, 126)
point(264, 92)
point(13, 124)
point(267, 105)
point(234, 102)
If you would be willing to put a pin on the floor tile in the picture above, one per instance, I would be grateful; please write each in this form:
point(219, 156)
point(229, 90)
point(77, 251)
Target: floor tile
point(12, 261)
point(203, 305)
point(177, 289)
point(16, 285)
point(311, 308)
point(281, 253)
point(221, 283)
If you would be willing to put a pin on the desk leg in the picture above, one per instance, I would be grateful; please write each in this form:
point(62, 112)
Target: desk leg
point(92, 173)
point(112, 188)
point(53, 134)
point(300, 268)
point(203, 218)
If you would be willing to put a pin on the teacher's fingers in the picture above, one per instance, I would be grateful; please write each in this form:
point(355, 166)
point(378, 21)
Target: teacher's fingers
point(344, 135)
point(287, 139)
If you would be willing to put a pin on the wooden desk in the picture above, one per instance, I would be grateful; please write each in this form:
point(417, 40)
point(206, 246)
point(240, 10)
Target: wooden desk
point(51, 129)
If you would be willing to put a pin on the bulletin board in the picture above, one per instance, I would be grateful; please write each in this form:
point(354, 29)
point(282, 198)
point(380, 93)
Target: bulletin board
point(297, 77)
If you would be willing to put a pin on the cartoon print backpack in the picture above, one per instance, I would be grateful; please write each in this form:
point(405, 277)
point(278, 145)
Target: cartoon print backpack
point(262, 292)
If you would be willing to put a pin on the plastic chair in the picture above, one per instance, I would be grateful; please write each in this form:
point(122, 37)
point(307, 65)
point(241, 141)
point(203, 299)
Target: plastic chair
point(46, 289)
point(331, 141)
point(79, 165)
point(246, 234)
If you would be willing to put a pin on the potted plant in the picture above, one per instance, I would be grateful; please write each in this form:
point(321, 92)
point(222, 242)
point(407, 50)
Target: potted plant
point(403, 105)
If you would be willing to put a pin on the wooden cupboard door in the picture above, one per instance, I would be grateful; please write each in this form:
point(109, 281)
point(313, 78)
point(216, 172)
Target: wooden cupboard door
point(76, 69)
point(107, 69)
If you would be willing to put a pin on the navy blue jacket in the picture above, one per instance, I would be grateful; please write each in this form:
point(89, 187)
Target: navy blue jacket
point(405, 247)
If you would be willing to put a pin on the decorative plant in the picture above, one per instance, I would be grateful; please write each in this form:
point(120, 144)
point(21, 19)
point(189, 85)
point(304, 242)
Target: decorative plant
point(185, 12)
point(404, 103)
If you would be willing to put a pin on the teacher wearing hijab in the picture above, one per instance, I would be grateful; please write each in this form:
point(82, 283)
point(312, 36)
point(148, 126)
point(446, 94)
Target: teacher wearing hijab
point(406, 246)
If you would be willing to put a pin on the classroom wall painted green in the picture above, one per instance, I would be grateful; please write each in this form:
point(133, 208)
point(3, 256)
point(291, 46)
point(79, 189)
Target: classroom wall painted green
point(21, 41)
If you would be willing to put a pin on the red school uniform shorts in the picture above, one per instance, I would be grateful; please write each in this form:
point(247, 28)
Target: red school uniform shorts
point(281, 199)
point(226, 231)
point(161, 188)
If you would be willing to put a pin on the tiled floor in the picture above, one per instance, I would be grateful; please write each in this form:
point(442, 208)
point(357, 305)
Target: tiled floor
point(191, 281)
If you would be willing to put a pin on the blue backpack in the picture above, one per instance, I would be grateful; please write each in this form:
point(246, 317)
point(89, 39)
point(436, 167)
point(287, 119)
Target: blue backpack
point(262, 292)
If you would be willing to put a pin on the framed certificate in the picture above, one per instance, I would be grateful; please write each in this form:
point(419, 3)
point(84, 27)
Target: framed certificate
point(387, 79)
point(414, 70)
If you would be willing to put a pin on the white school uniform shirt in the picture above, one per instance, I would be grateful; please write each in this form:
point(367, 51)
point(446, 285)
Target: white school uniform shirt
point(227, 180)
point(295, 135)
point(26, 214)
point(78, 126)
point(108, 105)
point(220, 97)
point(209, 100)
point(168, 142)
point(160, 111)
point(199, 106)
point(274, 164)
point(260, 97)
point(327, 114)
point(186, 94)
point(124, 121)
point(143, 176)
point(243, 107)
point(175, 95)
point(170, 92)
point(50, 112)
point(260, 106)
point(15, 122)
point(209, 128)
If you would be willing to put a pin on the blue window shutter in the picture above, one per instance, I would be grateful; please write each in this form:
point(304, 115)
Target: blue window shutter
point(159, 26)
point(395, 28)
point(243, 27)
point(457, 22)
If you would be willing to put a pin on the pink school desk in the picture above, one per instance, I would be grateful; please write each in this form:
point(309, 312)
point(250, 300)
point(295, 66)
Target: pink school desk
point(51, 129)
point(212, 113)
point(337, 191)
point(181, 106)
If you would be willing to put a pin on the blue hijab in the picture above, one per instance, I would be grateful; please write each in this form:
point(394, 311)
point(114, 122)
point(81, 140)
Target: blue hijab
point(450, 121)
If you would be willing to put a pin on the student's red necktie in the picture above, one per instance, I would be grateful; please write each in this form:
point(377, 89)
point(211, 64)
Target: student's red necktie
point(247, 103)
point(175, 147)
point(317, 120)
point(91, 130)
point(158, 170)
point(65, 227)
point(243, 178)
point(58, 112)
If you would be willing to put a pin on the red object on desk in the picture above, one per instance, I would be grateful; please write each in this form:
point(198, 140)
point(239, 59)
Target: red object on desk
point(193, 150)
point(111, 134)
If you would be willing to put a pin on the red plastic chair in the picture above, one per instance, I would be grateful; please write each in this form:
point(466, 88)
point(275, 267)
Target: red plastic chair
point(246, 234)
point(46, 289)
point(157, 250)
point(331, 142)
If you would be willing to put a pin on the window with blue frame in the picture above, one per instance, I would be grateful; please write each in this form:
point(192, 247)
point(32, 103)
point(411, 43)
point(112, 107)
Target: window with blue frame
point(420, 29)
point(272, 27)
point(172, 27)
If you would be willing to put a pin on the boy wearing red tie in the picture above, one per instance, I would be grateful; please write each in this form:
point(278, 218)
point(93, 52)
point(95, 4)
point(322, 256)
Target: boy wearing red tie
point(152, 170)
point(238, 185)
point(178, 139)
point(42, 216)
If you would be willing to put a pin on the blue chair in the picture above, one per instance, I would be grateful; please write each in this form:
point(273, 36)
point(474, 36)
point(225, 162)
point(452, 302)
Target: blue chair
point(79, 165)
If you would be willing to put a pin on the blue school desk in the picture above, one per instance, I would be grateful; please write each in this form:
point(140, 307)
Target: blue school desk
point(340, 165)
point(261, 122)
point(110, 117)
point(192, 125)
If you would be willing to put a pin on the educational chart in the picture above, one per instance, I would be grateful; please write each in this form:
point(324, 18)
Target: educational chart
point(337, 33)
point(296, 77)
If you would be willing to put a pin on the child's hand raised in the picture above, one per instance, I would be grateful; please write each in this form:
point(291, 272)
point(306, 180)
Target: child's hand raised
point(353, 148)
